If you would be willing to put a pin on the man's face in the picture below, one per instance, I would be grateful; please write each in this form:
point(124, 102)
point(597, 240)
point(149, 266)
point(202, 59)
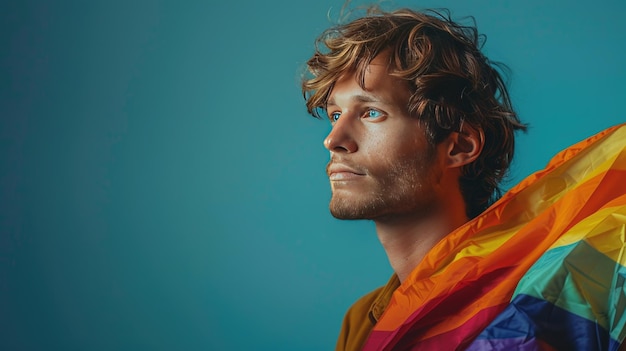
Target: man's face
point(381, 162)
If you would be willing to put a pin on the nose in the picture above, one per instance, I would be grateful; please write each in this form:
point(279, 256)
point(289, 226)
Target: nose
point(342, 137)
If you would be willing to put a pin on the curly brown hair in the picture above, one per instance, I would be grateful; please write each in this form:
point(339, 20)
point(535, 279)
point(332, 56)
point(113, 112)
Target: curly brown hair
point(453, 84)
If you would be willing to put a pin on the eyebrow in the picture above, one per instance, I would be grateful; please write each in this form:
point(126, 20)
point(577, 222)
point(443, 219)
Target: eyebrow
point(359, 98)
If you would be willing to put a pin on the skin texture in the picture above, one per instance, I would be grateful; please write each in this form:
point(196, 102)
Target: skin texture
point(381, 162)
point(383, 168)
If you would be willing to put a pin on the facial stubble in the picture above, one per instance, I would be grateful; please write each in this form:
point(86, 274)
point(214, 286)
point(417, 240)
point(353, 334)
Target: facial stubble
point(404, 186)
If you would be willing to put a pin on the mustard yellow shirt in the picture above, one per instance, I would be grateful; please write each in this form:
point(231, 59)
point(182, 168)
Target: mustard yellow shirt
point(363, 315)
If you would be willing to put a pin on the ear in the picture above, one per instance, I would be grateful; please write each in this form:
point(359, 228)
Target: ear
point(465, 146)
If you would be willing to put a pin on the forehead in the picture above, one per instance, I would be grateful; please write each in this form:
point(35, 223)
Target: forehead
point(377, 84)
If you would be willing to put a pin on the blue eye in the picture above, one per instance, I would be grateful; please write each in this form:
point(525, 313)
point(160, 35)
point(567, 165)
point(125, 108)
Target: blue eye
point(334, 116)
point(373, 114)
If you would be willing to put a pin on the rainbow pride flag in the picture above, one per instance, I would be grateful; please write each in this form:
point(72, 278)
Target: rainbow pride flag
point(541, 269)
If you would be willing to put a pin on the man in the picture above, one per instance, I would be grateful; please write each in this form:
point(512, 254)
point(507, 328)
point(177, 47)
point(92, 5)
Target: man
point(422, 133)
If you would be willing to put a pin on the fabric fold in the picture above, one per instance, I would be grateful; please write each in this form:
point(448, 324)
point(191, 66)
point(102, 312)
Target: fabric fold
point(543, 268)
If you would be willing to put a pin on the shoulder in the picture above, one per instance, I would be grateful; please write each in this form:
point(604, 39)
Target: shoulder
point(357, 323)
point(363, 315)
point(360, 310)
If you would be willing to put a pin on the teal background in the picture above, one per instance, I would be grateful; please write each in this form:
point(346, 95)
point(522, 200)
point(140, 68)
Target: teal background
point(162, 187)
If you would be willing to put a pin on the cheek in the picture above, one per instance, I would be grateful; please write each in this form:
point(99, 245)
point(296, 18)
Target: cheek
point(395, 163)
point(410, 149)
point(387, 148)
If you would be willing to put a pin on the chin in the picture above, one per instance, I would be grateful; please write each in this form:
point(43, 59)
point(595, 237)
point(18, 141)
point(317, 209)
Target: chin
point(341, 209)
point(346, 215)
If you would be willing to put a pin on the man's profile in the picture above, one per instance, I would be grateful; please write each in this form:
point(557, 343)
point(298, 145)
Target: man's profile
point(422, 134)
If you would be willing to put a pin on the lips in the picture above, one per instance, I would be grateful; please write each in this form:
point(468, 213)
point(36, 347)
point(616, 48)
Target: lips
point(340, 171)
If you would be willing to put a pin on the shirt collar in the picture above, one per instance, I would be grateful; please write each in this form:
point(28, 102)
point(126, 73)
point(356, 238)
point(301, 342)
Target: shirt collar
point(382, 300)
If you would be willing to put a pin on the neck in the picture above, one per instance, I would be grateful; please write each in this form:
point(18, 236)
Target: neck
point(408, 238)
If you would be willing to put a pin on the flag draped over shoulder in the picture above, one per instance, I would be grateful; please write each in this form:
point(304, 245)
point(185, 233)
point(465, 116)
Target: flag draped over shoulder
point(541, 269)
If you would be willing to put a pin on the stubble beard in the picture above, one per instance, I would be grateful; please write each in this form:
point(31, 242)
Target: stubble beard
point(405, 188)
